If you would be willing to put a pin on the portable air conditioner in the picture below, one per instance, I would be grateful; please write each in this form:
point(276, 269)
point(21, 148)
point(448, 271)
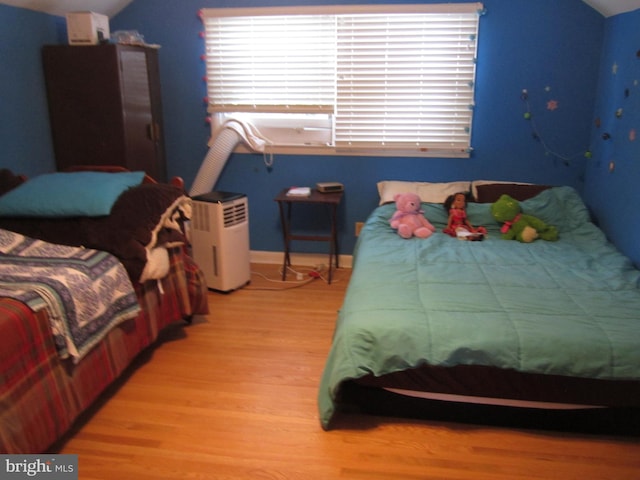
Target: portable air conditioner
point(220, 239)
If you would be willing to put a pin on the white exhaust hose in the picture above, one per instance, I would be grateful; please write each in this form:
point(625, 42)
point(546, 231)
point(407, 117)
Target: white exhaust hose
point(230, 134)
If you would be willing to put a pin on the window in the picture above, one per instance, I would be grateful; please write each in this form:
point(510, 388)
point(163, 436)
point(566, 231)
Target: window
point(396, 80)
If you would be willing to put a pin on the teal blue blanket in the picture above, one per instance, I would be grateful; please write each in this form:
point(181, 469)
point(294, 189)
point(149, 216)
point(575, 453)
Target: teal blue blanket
point(570, 307)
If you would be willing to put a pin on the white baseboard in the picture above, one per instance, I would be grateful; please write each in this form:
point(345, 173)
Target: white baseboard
point(301, 259)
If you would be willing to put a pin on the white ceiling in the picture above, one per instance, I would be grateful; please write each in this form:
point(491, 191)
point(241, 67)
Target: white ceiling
point(112, 7)
point(609, 8)
point(60, 7)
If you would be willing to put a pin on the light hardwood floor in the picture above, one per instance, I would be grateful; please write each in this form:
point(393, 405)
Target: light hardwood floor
point(233, 396)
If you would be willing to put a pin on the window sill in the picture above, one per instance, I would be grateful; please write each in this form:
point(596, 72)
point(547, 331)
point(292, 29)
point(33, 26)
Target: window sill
point(354, 152)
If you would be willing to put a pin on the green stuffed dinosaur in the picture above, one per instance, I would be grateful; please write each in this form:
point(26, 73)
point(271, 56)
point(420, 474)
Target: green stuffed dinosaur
point(520, 226)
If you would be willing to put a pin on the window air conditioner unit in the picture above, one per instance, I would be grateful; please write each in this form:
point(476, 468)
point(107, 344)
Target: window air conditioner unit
point(220, 239)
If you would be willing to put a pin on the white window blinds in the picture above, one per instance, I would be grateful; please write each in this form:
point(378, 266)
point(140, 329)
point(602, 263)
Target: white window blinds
point(396, 78)
point(271, 63)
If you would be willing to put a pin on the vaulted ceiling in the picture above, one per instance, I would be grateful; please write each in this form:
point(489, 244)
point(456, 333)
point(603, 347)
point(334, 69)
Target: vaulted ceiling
point(60, 7)
point(112, 7)
point(613, 7)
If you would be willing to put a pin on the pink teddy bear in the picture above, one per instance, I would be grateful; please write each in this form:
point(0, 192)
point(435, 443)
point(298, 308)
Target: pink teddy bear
point(408, 219)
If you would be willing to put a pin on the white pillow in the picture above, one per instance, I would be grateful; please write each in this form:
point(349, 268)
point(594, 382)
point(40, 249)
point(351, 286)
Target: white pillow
point(428, 192)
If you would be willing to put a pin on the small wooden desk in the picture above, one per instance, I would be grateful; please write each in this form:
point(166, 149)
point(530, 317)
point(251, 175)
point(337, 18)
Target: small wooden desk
point(331, 200)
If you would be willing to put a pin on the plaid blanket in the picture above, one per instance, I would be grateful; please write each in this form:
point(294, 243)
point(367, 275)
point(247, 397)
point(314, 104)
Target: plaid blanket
point(41, 395)
point(85, 292)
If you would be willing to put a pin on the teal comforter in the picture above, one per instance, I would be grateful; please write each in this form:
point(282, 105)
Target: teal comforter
point(570, 307)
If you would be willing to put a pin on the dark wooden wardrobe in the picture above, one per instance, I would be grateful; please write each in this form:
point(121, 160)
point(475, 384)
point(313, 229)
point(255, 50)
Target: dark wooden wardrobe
point(105, 106)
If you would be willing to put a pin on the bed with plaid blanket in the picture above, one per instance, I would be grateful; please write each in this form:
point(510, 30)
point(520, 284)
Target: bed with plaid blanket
point(74, 318)
point(41, 394)
point(85, 292)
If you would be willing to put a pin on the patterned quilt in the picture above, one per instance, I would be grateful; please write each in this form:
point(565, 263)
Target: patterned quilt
point(85, 292)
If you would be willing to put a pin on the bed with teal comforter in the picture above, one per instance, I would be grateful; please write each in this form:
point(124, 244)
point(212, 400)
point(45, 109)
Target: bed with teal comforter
point(565, 309)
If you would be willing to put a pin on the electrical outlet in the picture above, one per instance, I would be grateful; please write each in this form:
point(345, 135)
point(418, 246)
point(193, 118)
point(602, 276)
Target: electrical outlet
point(359, 226)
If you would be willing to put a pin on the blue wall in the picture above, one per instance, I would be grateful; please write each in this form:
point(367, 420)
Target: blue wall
point(523, 45)
point(25, 139)
point(613, 195)
point(550, 48)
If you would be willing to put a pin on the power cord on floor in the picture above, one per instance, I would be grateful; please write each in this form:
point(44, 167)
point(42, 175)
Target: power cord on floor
point(302, 278)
